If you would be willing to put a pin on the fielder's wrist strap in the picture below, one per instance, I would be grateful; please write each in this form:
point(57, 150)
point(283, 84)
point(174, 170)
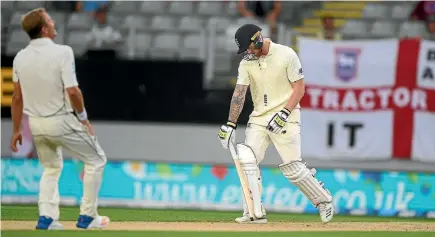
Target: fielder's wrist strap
point(285, 110)
point(82, 116)
point(231, 124)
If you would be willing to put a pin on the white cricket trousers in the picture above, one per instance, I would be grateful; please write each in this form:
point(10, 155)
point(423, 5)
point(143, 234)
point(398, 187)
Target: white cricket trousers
point(287, 143)
point(50, 135)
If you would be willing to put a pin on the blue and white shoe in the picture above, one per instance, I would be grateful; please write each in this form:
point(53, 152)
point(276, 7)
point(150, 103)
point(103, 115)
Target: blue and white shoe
point(88, 222)
point(47, 223)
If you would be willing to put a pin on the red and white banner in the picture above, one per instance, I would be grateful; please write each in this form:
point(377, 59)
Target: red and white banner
point(368, 99)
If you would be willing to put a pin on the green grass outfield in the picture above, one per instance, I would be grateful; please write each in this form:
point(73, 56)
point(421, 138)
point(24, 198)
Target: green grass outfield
point(24, 214)
point(30, 213)
point(69, 233)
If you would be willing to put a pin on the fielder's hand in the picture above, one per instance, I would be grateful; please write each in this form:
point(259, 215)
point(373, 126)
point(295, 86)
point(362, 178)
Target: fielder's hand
point(89, 127)
point(17, 137)
point(227, 134)
point(278, 121)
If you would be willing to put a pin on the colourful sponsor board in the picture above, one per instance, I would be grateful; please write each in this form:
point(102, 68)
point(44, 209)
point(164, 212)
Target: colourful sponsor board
point(162, 185)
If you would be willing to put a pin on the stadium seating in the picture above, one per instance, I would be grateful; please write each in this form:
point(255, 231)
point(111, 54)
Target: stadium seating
point(376, 11)
point(383, 29)
point(153, 18)
point(175, 30)
point(152, 7)
point(401, 11)
point(355, 29)
point(366, 20)
point(412, 29)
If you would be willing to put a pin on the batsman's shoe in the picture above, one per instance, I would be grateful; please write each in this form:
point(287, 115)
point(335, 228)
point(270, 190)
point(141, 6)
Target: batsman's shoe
point(326, 211)
point(88, 222)
point(245, 219)
point(47, 223)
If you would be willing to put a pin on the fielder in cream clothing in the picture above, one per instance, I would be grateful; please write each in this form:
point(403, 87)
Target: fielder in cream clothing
point(274, 74)
point(46, 89)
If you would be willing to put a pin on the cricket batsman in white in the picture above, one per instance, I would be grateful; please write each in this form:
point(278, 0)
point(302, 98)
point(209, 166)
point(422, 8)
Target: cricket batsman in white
point(274, 74)
point(46, 89)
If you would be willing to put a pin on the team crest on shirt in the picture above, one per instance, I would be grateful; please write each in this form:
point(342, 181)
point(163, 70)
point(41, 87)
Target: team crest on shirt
point(346, 63)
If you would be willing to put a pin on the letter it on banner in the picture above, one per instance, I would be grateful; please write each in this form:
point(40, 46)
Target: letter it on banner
point(352, 127)
point(331, 134)
point(352, 132)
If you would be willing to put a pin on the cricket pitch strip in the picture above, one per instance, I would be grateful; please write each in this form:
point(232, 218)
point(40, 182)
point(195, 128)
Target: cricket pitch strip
point(219, 226)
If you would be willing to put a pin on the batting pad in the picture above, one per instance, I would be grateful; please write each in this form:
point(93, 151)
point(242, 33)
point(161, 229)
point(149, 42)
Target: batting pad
point(249, 165)
point(298, 174)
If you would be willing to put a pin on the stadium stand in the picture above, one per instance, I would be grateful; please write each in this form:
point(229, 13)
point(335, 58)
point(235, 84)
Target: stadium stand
point(366, 20)
point(203, 30)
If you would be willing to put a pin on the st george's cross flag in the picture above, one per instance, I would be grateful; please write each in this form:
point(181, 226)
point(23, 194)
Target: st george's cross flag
point(368, 99)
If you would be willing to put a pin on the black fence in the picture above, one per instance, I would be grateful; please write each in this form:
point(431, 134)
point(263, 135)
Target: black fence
point(131, 90)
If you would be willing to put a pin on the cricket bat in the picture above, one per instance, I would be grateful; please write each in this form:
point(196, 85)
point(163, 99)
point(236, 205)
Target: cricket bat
point(244, 182)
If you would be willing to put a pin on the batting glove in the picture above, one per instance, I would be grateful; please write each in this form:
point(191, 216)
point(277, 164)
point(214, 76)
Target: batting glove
point(278, 121)
point(227, 134)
